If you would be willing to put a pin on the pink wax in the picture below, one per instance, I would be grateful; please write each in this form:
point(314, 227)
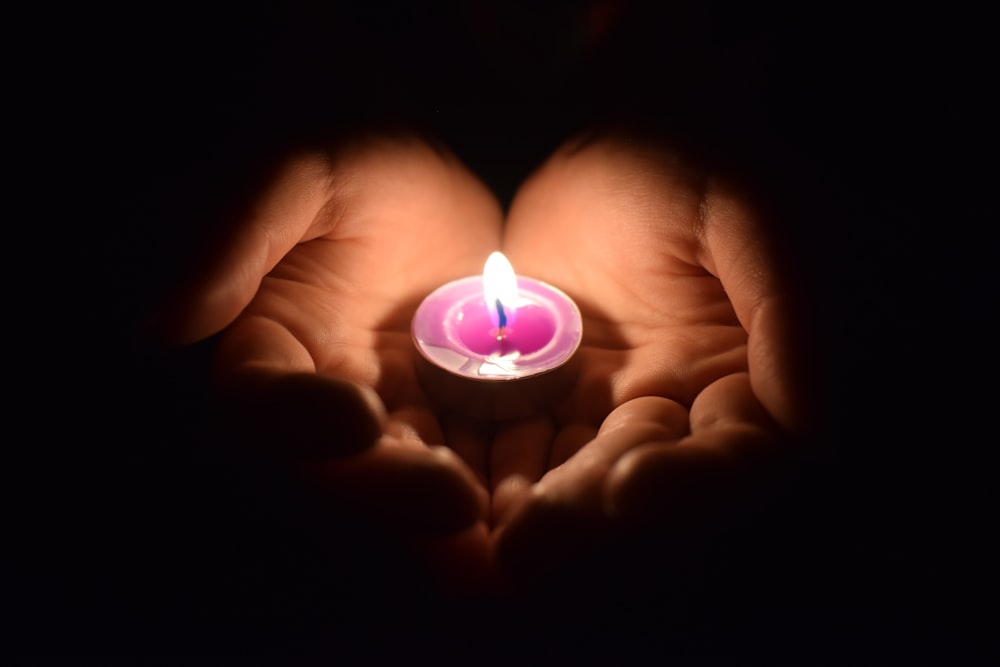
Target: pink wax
point(455, 329)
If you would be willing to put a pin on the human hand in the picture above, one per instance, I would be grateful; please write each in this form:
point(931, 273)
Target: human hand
point(315, 289)
point(690, 368)
point(688, 378)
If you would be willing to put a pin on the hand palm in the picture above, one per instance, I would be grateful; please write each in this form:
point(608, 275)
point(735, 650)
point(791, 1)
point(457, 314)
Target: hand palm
point(657, 323)
point(663, 392)
point(331, 320)
point(345, 294)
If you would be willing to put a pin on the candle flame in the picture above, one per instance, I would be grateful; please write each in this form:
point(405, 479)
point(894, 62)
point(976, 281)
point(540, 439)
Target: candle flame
point(500, 290)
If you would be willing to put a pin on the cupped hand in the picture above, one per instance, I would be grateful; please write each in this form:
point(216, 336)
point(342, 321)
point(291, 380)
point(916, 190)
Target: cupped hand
point(314, 293)
point(690, 369)
point(690, 375)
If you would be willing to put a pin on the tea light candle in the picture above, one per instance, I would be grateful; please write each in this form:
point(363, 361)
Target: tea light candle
point(498, 327)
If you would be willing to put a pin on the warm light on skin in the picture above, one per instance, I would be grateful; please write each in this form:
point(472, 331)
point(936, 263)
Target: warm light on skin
point(500, 291)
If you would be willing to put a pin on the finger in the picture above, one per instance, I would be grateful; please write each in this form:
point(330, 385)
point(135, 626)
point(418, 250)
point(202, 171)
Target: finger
point(258, 344)
point(729, 401)
point(272, 396)
point(414, 426)
point(470, 441)
point(291, 418)
point(281, 216)
point(416, 492)
point(645, 419)
point(460, 564)
point(760, 285)
point(565, 515)
point(569, 441)
point(518, 458)
point(719, 471)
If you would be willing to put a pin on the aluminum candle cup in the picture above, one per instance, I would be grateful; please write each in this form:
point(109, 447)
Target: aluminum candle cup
point(497, 346)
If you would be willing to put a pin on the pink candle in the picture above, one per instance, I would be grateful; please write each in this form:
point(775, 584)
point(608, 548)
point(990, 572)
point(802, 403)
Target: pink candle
point(497, 327)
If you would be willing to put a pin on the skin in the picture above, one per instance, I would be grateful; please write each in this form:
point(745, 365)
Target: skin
point(691, 374)
point(688, 386)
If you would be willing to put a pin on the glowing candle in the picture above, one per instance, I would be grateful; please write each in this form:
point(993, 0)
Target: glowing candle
point(496, 328)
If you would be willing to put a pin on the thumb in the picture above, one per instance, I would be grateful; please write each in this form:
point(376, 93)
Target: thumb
point(301, 417)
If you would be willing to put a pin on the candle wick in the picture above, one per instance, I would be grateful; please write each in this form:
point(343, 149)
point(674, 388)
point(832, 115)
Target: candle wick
point(501, 321)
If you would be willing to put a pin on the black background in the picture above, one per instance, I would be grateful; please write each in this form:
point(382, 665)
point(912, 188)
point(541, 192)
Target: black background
point(869, 128)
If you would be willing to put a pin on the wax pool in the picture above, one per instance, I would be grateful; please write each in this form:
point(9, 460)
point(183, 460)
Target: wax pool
point(533, 329)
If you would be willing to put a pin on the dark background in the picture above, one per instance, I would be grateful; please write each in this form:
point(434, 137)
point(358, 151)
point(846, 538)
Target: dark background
point(867, 128)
